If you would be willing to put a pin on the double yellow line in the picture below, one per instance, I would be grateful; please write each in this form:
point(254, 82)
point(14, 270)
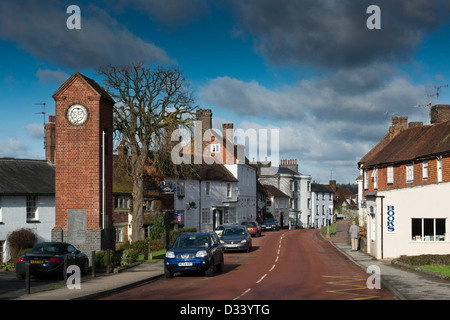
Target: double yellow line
point(352, 285)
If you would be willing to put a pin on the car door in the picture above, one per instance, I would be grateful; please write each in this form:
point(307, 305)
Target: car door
point(216, 250)
point(72, 256)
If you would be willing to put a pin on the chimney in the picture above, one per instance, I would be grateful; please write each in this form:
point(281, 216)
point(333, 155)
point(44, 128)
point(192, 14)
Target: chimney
point(333, 185)
point(398, 124)
point(291, 164)
point(439, 113)
point(50, 140)
point(228, 144)
point(205, 116)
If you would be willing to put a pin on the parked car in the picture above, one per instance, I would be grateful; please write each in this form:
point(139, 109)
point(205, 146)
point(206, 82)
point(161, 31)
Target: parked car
point(270, 224)
point(46, 259)
point(253, 227)
point(194, 252)
point(236, 238)
point(219, 230)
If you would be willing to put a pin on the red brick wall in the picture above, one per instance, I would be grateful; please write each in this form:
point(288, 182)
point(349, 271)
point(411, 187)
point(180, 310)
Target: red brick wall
point(78, 155)
point(400, 174)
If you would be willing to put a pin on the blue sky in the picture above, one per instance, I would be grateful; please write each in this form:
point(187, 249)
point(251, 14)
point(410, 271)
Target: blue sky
point(311, 69)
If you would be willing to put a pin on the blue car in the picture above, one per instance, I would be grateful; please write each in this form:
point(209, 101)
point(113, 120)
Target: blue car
point(194, 252)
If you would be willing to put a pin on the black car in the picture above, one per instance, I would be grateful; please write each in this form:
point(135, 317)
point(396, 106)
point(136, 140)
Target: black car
point(270, 224)
point(46, 259)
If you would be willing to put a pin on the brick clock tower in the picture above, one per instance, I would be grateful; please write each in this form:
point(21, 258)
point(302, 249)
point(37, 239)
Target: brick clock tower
point(83, 164)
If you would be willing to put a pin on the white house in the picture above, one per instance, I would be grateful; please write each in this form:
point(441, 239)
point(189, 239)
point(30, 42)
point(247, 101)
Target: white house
point(406, 183)
point(277, 204)
point(208, 201)
point(296, 185)
point(27, 199)
point(322, 205)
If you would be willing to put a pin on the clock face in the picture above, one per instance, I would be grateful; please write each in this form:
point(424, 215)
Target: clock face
point(77, 114)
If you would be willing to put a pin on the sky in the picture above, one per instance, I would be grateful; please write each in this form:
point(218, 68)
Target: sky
point(311, 70)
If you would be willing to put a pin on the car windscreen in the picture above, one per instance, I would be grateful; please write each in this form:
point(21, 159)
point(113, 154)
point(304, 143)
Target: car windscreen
point(233, 232)
point(47, 249)
point(192, 241)
point(248, 224)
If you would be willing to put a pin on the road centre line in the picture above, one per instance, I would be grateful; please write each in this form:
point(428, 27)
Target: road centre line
point(261, 279)
point(245, 292)
point(265, 275)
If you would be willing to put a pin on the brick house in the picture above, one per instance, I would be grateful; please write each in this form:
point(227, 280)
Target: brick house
point(405, 185)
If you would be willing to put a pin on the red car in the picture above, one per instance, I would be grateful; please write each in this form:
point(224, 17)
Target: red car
point(253, 227)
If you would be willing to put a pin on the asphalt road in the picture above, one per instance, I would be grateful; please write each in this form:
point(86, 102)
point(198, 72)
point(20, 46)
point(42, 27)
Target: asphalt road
point(283, 265)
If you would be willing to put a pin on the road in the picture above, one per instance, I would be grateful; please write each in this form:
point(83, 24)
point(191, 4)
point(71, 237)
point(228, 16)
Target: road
point(283, 265)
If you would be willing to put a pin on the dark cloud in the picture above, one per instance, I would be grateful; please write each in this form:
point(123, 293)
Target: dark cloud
point(40, 28)
point(333, 34)
point(172, 12)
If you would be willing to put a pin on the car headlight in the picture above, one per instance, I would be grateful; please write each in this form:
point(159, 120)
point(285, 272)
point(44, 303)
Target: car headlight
point(201, 254)
point(170, 254)
point(244, 241)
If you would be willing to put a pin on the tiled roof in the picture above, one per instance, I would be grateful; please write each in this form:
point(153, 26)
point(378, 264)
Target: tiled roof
point(273, 191)
point(21, 176)
point(315, 187)
point(410, 144)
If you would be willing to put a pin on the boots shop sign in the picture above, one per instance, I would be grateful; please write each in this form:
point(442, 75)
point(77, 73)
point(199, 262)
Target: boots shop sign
point(391, 219)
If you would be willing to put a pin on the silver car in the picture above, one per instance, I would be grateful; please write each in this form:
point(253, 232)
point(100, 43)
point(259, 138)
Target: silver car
point(236, 238)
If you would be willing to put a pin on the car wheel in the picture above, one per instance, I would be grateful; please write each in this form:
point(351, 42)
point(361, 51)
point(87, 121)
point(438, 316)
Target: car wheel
point(85, 269)
point(168, 273)
point(220, 265)
point(210, 271)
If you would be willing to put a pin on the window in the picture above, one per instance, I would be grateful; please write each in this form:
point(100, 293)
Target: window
point(366, 179)
point(122, 202)
point(180, 189)
point(226, 215)
point(439, 169)
point(119, 234)
point(375, 178)
point(425, 170)
point(2, 249)
point(206, 215)
point(215, 148)
point(31, 208)
point(208, 188)
point(390, 175)
point(428, 229)
point(228, 190)
point(410, 173)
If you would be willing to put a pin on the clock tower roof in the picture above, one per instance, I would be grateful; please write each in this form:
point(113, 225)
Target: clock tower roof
point(90, 82)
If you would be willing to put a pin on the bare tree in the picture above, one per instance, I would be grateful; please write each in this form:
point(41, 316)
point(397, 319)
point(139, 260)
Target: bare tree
point(150, 104)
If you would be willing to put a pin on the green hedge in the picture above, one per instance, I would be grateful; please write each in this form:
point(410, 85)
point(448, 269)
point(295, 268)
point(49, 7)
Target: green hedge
point(426, 259)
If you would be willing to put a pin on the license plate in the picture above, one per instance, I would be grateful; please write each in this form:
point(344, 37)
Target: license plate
point(36, 261)
point(185, 264)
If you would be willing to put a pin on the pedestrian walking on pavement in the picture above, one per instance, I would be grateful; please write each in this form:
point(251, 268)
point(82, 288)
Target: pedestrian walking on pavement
point(354, 235)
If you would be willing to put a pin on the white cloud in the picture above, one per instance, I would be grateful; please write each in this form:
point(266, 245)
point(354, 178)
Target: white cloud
point(326, 122)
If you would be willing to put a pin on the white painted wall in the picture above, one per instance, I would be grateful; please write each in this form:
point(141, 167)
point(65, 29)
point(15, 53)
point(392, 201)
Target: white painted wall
point(426, 201)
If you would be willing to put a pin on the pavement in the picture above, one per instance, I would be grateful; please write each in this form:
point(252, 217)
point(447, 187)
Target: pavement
point(404, 283)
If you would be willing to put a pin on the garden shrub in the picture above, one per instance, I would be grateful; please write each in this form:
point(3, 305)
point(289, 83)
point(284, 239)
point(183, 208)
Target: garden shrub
point(128, 256)
point(20, 239)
